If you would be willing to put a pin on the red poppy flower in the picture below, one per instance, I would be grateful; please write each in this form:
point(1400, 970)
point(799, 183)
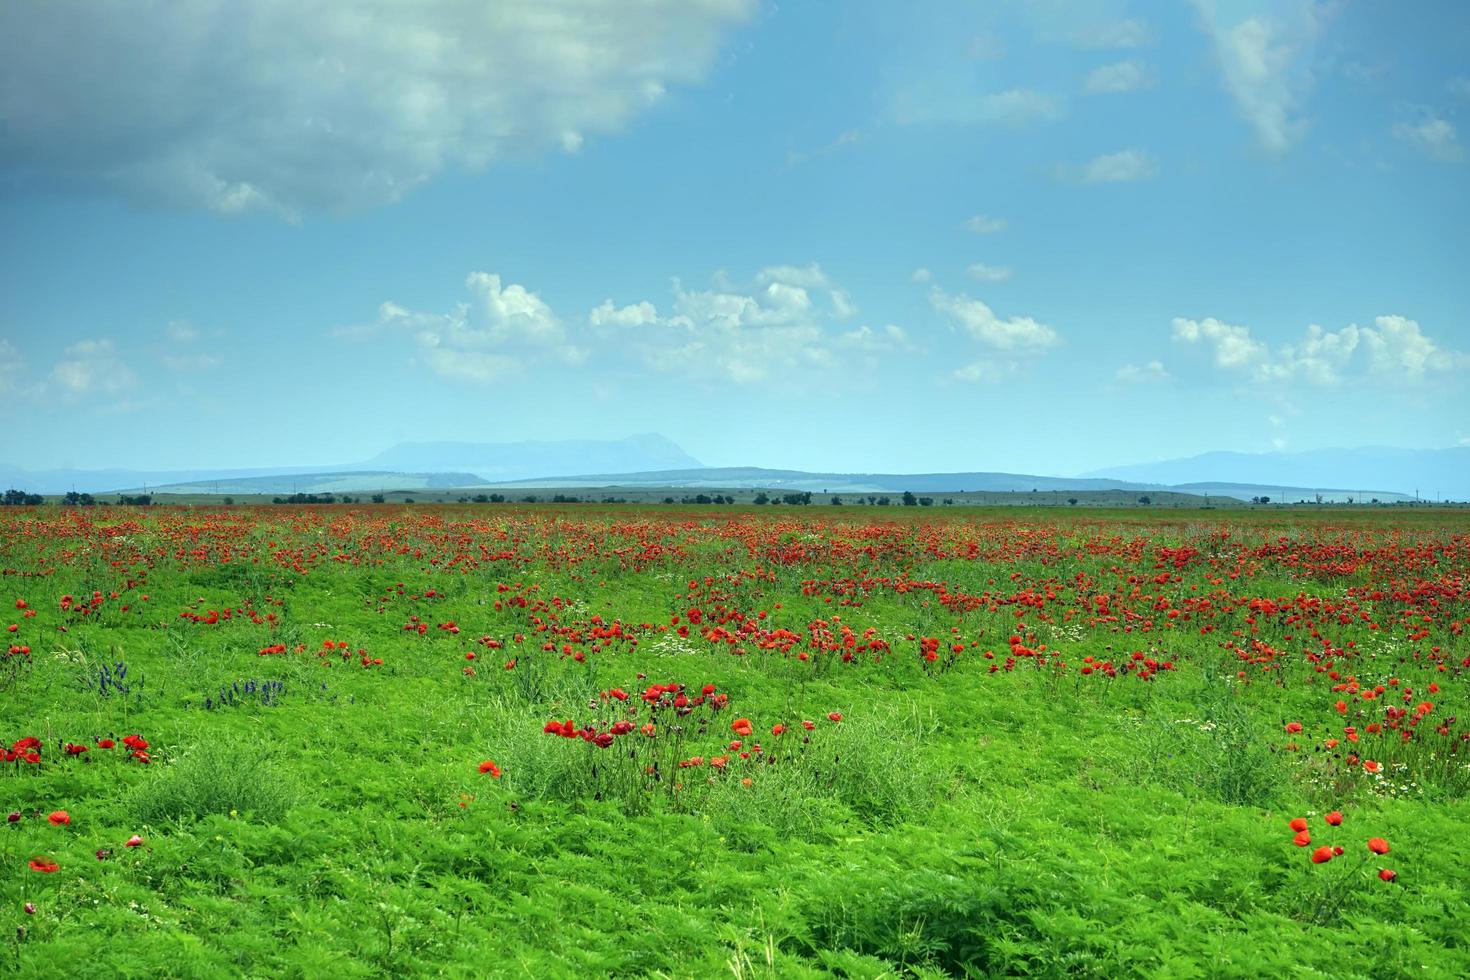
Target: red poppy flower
point(44, 865)
point(1293, 727)
point(1298, 824)
point(1387, 874)
point(1371, 766)
point(1334, 818)
point(133, 841)
point(742, 727)
point(1322, 855)
point(778, 729)
point(489, 766)
point(1377, 845)
point(60, 818)
point(1302, 839)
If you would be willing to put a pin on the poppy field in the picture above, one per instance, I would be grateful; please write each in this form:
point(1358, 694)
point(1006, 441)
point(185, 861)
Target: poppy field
point(626, 741)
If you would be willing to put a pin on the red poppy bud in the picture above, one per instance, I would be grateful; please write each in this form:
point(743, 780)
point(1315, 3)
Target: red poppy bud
point(1377, 845)
point(1334, 818)
point(1387, 874)
point(1322, 855)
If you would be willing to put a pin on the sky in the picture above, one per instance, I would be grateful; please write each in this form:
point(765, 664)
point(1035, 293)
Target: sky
point(1022, 235)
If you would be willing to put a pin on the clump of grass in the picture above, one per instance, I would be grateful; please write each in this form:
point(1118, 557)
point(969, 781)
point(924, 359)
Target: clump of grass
point(215, 778)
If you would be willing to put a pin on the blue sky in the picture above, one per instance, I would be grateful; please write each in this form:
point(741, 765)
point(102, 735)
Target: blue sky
point(1029, 236)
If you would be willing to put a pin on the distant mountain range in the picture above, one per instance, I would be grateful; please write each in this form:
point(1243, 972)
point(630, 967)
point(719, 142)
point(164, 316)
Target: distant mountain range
point(754, 477)
point(1431, 473)
point(423, 463)
point(646, 461)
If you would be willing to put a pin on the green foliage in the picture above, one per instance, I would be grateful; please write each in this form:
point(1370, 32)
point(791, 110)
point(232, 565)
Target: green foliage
point(216, 778)
point(957, 821)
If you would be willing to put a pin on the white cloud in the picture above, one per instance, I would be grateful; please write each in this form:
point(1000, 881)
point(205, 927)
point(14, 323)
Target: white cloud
point(181, 332)
point(988, 273)
point(1128, 33)
point(479, 367)
point(1432, 136)
point(1233, 345)
point(1393, 349)
point(1459, 85)
point(1125, 76)
point(985, 371)
point(12, 369)
point(984, 224)
point(191, 362)
point(1019, 106)
point(1265, 63)
point(921, 274)
point(1141, 374)
point(489, 337)
point(808, 276)
point(328, 105)
point(92, 367)
point(781, 322)
point(1018, 334)
point(1397, 348)
point(1117, 168)
point(865, 338)
point(634, 315)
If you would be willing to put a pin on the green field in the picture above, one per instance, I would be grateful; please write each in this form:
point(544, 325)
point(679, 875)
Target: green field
point(734, 741)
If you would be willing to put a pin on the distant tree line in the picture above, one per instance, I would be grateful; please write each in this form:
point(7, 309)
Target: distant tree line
point(19, 498)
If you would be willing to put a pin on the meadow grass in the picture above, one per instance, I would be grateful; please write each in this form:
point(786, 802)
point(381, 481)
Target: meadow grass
point(995, 810)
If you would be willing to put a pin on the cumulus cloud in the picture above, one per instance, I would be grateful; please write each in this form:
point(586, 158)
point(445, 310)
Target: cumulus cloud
point(92, 367)
point(984, 224)
point(1432, 136)
point(1393, 349)
point(1141, 374)
point(1019, 106)
point(985, 371)
point(189, 363)
point(921, 274)
point(1125, 76)
point(1265, 63)
point(12, 369)
point(181, 332)
point(1018, 335)
point(784, 321)
point(502, 327)
point(1125, 166)
point(1233, 345)
point(988, 273)
point(329, 105)
point(633, 315)
point(1126, 33)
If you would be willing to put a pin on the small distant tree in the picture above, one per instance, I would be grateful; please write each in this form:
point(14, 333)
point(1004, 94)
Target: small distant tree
point(761, 498)
point(883, 501)
point(1145, 501)
point(1072, 501)
point(926, 501)
point(909, 500)
point(377, 498)
point(836, 501)
point(229, 501)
